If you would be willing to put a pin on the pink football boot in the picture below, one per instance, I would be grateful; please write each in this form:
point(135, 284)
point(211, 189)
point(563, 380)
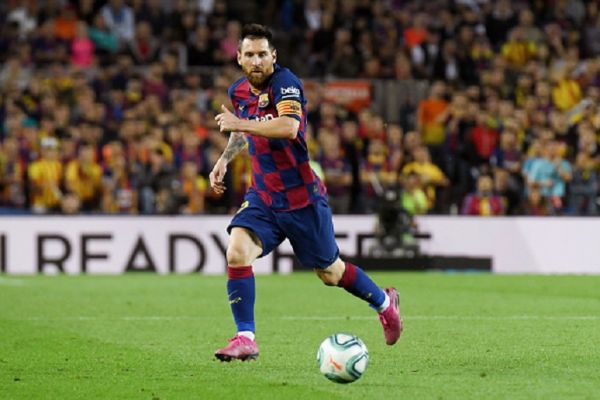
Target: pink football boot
point(239, 348)
point(390, 318)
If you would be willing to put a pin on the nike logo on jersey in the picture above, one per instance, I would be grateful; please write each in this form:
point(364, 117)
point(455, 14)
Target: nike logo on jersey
point(235, 301)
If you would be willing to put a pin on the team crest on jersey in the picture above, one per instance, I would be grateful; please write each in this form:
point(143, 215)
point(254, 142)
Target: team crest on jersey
point(263, 100)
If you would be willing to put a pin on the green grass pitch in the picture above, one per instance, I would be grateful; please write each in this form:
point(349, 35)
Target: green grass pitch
point(144, 336)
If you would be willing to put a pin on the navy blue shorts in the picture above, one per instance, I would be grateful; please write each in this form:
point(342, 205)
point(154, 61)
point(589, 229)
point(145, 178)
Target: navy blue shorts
point(309, 229)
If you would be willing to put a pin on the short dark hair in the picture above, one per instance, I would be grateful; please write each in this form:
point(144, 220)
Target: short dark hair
point(257, 31)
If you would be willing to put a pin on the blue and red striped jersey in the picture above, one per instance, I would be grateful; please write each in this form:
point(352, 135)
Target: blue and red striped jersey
point(281, 173)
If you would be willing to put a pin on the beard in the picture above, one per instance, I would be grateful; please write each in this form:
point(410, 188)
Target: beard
point(256, 77)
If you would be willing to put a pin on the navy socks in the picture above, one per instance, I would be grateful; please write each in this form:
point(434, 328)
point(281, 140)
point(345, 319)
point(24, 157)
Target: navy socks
point(242, 293)
point(359, 284)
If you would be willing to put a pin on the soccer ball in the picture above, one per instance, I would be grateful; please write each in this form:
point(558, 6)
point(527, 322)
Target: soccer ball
point(342, 358)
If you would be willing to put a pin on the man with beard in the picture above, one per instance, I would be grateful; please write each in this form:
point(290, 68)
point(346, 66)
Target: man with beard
point(286, 198)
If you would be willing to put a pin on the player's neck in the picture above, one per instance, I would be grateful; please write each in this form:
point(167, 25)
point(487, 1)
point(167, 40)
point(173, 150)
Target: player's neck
point(256, 89)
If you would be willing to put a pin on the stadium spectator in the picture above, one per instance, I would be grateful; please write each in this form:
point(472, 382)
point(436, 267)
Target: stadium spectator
point(509, 188)
point(353, 147)
point(83, 178)
point(483, 137)
point(337, 173)
point(376, 174)
point(430, 175)
point(82, 47)
point(152, 12)
point(193, 188)
point(584, 187)
point(105, 41)
point(45, 179)
point(229, 43)
point(66, 24)
point(537, 204)
point(518, 50)
point(564, 174)
point(119, 194)
point(14, 75)
point(431, 117)
point(483, 202)
point(156, 184)
point(395, 136)
point(413, 199)
point(201, 49)
point(24, 15)
point(12, 175)
point(87, 10)
point(499, 22)
point(120, 20)
point(143, 47)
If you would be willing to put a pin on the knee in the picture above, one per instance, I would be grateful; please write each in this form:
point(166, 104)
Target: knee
point(238, 256)
point(332, 275)
point(329, 279)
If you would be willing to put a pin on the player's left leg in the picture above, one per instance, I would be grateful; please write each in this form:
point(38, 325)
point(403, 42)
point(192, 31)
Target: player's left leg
point(355, 281)
point(311, 234)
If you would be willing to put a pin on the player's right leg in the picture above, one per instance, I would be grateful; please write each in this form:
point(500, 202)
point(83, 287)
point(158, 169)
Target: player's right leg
point(254, 233)
point(244, 247)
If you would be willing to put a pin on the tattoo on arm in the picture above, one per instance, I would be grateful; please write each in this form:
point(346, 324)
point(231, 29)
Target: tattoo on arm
point(235, 145)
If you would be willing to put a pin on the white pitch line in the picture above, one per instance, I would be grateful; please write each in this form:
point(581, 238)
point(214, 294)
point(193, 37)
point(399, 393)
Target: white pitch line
point(456, 317)
point(327, 318)
point(11, 282)
point(108, 318)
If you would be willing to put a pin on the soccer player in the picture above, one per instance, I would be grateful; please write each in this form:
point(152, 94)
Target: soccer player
point(286, 199)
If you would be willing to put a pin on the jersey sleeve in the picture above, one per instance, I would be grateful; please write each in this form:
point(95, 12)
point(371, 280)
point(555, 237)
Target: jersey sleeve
point(230, 94)
point(288, 95)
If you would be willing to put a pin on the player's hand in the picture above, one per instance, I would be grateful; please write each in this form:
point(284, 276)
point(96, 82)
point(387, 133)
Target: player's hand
point(217, 175)
point(227, 121)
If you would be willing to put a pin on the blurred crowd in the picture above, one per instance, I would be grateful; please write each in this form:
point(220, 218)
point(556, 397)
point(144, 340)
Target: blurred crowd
point(108, 106)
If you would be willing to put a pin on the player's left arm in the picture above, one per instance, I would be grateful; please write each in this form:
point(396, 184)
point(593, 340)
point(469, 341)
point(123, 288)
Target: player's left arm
point(282, 127)
point(287, 94)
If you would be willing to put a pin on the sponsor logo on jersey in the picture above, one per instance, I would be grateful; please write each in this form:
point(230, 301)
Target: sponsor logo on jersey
point(266, 117)
point(291, 90)
point(263, 100)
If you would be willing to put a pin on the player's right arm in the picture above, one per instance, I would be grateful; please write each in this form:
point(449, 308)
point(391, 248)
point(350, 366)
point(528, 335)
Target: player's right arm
point(235, 145)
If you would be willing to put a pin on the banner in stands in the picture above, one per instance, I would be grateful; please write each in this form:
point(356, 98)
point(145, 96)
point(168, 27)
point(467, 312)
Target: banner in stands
point(113, 245)
point(353, 94)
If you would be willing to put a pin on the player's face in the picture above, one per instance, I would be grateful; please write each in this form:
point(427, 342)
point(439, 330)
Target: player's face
point(256, 59)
